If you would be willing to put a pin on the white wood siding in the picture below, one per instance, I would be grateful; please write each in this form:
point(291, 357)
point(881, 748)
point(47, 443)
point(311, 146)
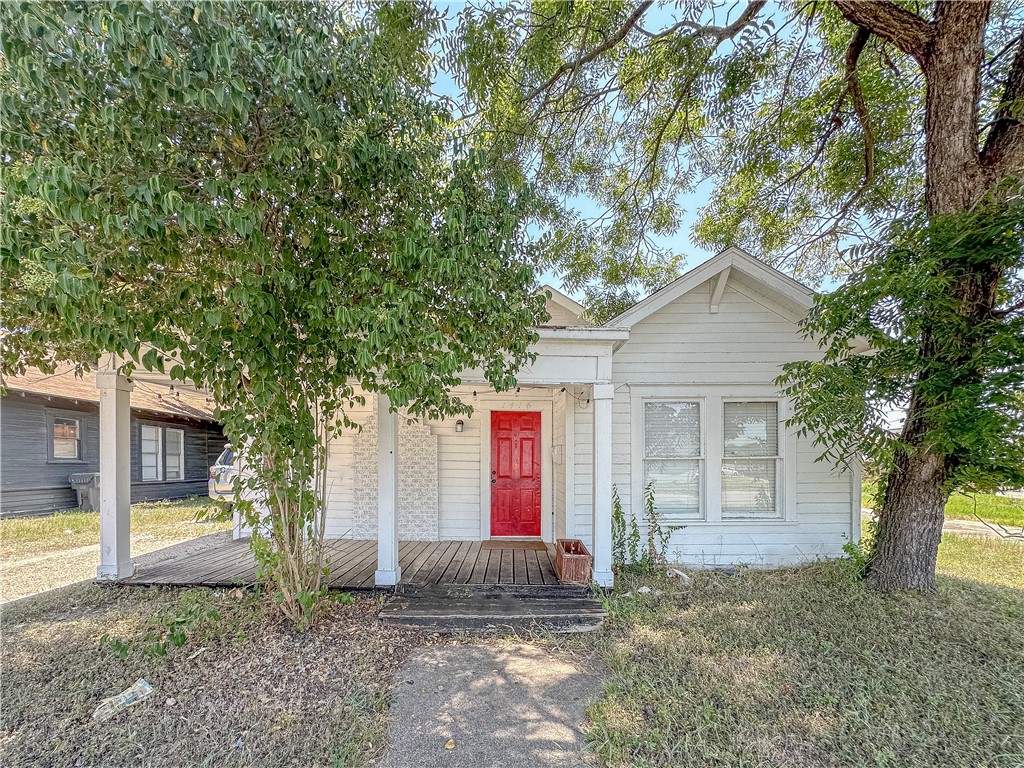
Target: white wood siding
point(559, 446)
point(458, 459)
point(737, 351)
point(459, 464)
point(560, 316)
point(583, 470)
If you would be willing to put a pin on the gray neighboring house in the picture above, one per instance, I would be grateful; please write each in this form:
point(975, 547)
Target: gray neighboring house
point(49, 430)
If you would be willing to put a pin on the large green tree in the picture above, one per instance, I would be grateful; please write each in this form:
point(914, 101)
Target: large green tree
point(267, 196)
point(819, 124)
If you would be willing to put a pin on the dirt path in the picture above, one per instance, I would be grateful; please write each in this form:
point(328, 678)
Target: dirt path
point(32, 574)
point(483, 706)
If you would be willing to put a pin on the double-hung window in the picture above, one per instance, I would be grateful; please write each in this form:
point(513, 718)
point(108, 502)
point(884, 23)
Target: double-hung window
point(750, 460)
point(151, 452)
point(714, 458)
point(162, 453)
point(174, 454)
point(674, 458)
point(65, 439)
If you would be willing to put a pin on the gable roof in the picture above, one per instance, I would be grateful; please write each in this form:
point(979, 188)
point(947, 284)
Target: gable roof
point(565, 303)
point(782, 286)
point(159, 398)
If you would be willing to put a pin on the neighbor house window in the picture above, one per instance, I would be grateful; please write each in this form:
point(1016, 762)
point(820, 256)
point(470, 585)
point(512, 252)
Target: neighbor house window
point(151, 453)
point(162, 452)
point(673, 458)
point(174, 454)
point(67, 439)
point(750, 460)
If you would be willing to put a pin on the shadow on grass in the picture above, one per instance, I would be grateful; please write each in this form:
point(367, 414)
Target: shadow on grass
point(244, 691)
point(808, 668)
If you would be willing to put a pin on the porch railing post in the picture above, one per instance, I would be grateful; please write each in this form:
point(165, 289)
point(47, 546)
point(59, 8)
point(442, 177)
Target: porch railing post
point(115, 472)
point(388, 570)
point(602, 507)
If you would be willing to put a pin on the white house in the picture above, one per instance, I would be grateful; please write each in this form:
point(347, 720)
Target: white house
point(678, 392)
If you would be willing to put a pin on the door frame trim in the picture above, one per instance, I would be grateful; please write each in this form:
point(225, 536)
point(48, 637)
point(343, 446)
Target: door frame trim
point(545, 407)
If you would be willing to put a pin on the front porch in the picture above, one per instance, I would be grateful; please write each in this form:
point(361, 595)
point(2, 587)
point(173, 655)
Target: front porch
point(421, 494)
point(353, 563)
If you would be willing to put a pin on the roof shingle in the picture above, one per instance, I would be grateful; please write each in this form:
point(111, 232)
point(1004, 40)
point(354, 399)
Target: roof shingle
point(165, 400)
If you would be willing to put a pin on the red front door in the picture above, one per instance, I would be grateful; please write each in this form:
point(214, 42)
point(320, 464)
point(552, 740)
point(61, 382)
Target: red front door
point(515, 473)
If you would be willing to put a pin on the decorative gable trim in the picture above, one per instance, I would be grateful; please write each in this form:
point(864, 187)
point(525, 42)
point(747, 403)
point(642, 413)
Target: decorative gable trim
point(730, 259)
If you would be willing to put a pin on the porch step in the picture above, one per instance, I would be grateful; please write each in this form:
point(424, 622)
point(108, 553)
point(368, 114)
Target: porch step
point(494, 608)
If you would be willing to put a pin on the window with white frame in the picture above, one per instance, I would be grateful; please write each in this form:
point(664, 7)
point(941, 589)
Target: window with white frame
point(673, 458)
point(174, 454)
point(66, 439)
point(750, 460)
point(150, 451)
point(162, 452)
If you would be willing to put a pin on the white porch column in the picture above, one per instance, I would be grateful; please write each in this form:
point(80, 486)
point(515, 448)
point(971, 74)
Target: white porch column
point(115, 473)
point(388, 571)
point(603, 395)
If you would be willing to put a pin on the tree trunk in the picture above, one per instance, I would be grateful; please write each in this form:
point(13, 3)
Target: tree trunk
point(910, 526)
point(913, 507)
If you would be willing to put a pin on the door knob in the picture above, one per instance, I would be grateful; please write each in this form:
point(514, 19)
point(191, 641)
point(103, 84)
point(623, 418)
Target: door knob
point(493, 481)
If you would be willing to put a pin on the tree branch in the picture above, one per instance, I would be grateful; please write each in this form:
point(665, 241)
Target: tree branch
point(1003, 152)
point(860, 39)
point(593, 53)
point(999, 314)
point(719, 33)
point(904, 29)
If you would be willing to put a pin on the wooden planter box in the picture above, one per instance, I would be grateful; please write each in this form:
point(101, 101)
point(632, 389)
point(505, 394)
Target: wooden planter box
point(573, 563)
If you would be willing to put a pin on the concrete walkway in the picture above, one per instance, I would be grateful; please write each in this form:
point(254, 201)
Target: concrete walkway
point(483, 706)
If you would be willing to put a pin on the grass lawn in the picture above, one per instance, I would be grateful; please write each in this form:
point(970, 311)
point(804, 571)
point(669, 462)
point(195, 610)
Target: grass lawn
point(242, 691)
point(41, 553)
point(798, 668)
point(161, 520)
point(989, 507)
point(808, 668)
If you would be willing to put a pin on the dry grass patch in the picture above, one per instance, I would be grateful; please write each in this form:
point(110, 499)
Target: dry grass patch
point(986, 561)
point(241, 691)
point(807, 668)
point(157, 520)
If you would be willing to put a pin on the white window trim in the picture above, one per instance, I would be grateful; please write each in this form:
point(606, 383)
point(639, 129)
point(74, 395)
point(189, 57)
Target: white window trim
point(780, 461)
point(51, 436)
point(702, 459)
point(711, 399)
point(181, 453)
point(159, 454)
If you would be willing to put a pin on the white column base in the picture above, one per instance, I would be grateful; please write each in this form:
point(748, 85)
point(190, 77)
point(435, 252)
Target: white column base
point(604, 578)
point(387, 578)
point(115, 572)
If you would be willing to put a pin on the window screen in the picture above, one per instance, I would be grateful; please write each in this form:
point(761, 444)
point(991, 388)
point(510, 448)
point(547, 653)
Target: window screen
point(673, 458)
point(750, 460)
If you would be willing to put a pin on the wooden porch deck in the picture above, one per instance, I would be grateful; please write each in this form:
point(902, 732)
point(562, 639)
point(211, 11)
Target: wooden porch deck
point(353, 561)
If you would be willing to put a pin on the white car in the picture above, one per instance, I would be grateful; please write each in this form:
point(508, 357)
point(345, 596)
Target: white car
point(222, 476)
